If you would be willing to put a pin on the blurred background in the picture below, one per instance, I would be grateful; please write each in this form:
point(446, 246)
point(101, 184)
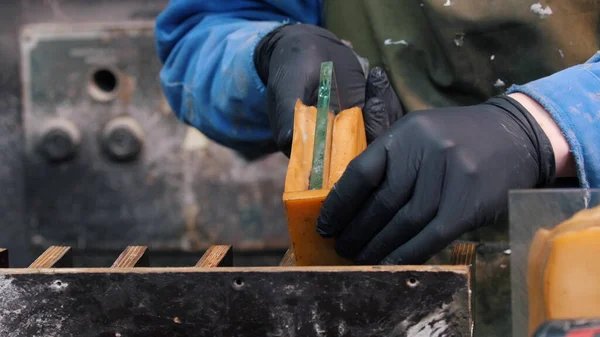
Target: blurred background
point(92, 156)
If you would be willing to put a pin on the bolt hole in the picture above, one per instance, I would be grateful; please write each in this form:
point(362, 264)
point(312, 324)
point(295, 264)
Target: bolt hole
point(238, 283)
point(58, 283)
point(105, 80)
point(103, 84)
point(412, 282)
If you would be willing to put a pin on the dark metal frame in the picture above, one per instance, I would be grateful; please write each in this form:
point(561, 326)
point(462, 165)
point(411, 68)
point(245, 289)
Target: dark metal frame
point(213, 298)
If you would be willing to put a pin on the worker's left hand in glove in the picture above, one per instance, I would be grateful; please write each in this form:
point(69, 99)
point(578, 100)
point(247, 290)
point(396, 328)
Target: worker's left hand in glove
point(288, 60)
point(433, 176)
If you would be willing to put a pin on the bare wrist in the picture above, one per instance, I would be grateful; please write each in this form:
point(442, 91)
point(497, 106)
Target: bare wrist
point(565, 164)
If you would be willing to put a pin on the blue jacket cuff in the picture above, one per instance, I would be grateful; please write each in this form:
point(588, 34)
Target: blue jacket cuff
point(572, 97)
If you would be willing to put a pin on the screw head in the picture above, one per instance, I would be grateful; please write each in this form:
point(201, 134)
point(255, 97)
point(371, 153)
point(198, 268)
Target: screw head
point(59, 141)
point(122, 139)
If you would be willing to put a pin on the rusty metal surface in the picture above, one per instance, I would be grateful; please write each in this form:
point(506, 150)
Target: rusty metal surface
point(14, 231)
point(179, 192)
point(221, 301)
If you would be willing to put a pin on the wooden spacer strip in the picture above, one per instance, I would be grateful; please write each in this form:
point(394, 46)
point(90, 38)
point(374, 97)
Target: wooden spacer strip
point(217, 256)
point(289, 259)
point(133, 256)
point(54, 257)
point(463, 253)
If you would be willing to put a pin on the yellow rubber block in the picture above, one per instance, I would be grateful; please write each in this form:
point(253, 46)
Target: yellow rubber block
point(562, 269)
point(535, 279)
point(348, 141)
point(572, 276)
point(345, 140)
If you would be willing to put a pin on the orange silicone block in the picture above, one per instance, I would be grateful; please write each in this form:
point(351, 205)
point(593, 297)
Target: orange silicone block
point(572, 275)
point(345, 140)
point(563, 277)
point(348, 141)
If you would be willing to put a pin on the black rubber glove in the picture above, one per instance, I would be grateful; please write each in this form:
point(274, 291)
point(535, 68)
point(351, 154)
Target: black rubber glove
point(288, 61)
point(433, 176)
point(382, 108)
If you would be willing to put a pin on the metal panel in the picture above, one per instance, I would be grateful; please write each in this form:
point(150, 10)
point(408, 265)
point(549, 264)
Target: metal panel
point(109, 165)
point(241, 302)
point(12, 223)
point(14, 14)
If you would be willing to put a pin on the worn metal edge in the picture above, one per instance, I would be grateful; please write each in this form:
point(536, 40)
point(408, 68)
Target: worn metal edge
point(79, 29)
point(276, 269)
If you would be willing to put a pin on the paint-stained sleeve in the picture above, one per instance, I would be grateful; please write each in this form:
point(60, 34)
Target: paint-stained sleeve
point(572, 97)
point(208, 74)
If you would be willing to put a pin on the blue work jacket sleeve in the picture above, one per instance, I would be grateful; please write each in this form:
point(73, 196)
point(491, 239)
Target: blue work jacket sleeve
point(572, 97)
point(208, 74)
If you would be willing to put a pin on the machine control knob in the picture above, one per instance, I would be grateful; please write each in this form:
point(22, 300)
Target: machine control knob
point(59, 140)
point(123, 139)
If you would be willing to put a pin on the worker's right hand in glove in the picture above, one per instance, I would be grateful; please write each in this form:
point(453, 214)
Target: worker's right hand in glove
point(288, 60)
point(433, 176)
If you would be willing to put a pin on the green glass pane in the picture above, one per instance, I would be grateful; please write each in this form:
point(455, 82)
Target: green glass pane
point(318, 163)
